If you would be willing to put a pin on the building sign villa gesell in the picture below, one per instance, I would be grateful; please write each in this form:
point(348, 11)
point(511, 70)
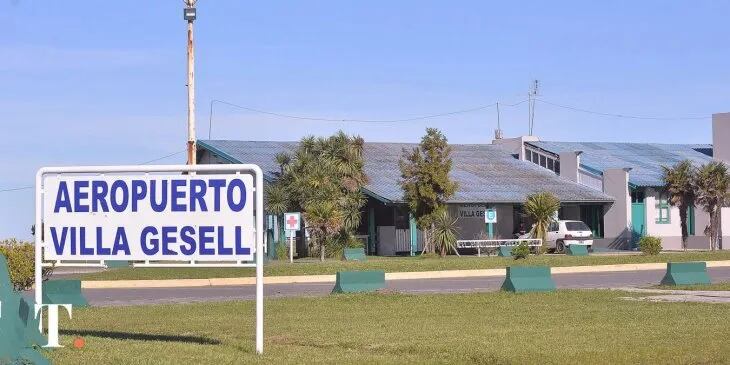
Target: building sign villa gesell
point(149, 217)
point(472, 211)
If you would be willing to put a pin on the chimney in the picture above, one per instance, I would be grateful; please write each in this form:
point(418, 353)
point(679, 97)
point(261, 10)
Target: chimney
point(721, 137)
point(515, 146)
point(570, 164)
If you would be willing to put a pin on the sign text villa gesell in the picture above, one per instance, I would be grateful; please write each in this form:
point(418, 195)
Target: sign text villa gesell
point(149, 217)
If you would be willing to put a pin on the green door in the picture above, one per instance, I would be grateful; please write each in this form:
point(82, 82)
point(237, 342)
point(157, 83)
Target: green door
point(638, 222)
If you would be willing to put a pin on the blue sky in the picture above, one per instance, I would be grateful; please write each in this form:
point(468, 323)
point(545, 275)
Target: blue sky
point(90, 82)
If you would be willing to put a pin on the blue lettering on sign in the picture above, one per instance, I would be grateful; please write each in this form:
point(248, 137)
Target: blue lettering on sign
point(62, 198)
point(155, 195)
point(99, 190)
point(120, 242)
point(78, 195)
point(149, 250)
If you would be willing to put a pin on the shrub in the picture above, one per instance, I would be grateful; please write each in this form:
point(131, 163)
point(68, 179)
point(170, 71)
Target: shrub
point(337, 245)
point(282, 251)
point(650, 245)
point(21, 263)
point(521, 251)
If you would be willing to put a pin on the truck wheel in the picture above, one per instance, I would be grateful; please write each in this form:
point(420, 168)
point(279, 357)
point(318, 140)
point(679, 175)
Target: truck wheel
point(559, 247)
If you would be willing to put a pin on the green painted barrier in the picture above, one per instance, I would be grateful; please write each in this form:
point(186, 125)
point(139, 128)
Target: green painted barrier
point(354, 254)
point(505, 251)
point(359, 281)
point(522, 279)
point(116, 264)
point(577, 250)
point(19, 333)
point(64, 292)
point(686, 273)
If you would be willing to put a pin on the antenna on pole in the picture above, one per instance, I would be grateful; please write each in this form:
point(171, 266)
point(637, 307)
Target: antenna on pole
point(531, 96)
point(498, 132)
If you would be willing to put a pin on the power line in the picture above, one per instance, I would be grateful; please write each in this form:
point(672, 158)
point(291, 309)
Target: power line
point(616, 115)
point(163, 157)
point(16, 189)
point(142, 163)
point(322, 119)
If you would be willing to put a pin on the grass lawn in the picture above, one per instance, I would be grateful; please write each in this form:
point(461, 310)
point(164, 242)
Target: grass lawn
point(564, 327)
point(716, 286)
point(394, 264)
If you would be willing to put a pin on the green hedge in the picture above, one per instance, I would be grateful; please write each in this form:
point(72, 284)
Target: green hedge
point(21, 262)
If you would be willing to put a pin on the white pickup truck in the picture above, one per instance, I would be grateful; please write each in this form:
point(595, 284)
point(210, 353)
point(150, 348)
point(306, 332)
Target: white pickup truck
point(562, 234)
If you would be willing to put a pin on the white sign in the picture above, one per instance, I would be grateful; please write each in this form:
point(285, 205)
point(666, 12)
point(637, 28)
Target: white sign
point(292, 221)
point(162, 212)
point(471, 211)
point(169, 217)
point(490, 216)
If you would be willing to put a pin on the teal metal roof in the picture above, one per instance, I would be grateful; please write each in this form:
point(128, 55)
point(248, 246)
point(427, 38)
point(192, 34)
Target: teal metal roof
point(644, 159)
point(485, 173)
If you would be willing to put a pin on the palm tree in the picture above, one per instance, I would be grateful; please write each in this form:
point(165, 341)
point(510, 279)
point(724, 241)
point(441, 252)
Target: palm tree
point(541, 207)
point(444, 233)
point(324, 220)
point(679, 184)
point(711, 186)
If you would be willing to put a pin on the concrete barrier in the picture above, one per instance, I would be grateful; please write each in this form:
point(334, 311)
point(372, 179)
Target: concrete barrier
point(577, 250)
point(117, 264)
point(359, 281)
point(354, 254)
point(19, 334)
point(522, 279)
point(686, 273)
point(64, 292)
point(505, 251)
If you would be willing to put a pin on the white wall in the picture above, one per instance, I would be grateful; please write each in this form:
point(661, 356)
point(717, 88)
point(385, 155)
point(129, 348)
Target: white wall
point(671, 233)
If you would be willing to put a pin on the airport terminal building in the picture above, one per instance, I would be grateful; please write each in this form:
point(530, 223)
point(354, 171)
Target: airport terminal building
point(615, 188)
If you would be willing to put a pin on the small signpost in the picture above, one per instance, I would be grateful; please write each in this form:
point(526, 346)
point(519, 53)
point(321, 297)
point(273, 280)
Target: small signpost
point(292, 223)
point(490, 217)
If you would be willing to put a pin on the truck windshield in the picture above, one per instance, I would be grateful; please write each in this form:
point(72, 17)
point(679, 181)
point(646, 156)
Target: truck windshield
point(576, 226)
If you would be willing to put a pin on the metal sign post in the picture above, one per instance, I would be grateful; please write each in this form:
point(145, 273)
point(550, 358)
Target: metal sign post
point(292, 223)
point(490, 217)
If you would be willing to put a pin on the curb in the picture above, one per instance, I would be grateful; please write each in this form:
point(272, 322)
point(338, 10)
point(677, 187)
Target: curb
point(302, 279)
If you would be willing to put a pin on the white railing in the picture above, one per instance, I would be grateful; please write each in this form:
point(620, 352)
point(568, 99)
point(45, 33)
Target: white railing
point(480, 244)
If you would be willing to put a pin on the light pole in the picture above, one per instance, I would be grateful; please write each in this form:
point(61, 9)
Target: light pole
point(189, 15)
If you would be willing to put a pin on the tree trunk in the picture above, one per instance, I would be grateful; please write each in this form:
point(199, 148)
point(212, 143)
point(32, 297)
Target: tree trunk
point(425, 242)
point(683, 224)
point(433, 243)
point(321, 250)
point(713, 228)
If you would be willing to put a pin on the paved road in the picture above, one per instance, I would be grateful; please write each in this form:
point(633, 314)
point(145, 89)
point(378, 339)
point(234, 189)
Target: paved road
point(120, 297)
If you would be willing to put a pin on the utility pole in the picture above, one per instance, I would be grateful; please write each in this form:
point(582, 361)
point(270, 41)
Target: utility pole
point(189, 15)
point(498, 132)
point(531, 96)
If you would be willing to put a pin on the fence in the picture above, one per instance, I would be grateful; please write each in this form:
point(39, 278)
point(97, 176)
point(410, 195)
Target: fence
point(480, 244)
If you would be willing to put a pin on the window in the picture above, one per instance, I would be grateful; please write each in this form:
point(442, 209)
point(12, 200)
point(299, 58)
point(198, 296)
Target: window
point(553, 227)
point(662, 209)
point(543, 163)
point(535, 158)
point(557, 167)
point(576, 226)
point(637, 196)
point(551, 164)
point(528, 155)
